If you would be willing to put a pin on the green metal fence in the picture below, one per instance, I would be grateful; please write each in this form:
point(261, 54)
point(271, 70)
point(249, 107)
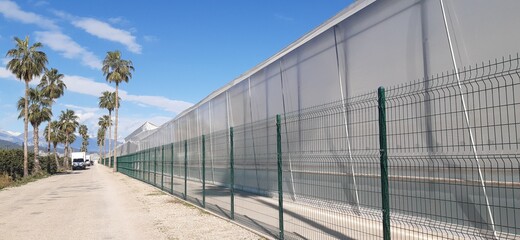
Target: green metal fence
point(436, 158)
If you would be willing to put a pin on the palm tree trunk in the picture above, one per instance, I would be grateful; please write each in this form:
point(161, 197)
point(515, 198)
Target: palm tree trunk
point(36, 168)
point(56, 157)
point(65, 165)
point(100, 156)
point(115, 131)
point(110, 134)
point(103, 151)
point(49, 138)
point(49, 132)
point(25, 131)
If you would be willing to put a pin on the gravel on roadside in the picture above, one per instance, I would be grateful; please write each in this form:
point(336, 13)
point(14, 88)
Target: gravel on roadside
point(175, 219)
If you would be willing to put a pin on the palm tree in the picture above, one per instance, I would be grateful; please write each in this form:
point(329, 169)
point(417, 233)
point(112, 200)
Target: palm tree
point(26, 63)
point(83, 131)
point(53, 87)
point(100, 140)
point(104, 122)
point(39, 112)
point(68, 124)
point(70, 137)
point(116, 70)
point(108, 101)
point(55, 135)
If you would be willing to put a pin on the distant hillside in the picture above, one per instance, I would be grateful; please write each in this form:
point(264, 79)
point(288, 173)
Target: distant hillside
point(9, 139)
point(8, 145)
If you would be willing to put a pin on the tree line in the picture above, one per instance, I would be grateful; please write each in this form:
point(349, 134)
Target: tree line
point(28, 62)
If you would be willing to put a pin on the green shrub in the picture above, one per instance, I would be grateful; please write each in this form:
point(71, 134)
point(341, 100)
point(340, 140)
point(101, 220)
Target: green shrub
point(11, 163)
point(48, 164)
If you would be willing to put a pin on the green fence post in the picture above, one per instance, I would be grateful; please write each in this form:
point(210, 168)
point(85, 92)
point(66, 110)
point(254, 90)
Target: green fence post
point(203, 171)
point(130, 165)
point(383, 162)
point(171, 176)
point(280, 174)
point(155, 166)
point(232, 166)
point(162, 167)
point(185, 169)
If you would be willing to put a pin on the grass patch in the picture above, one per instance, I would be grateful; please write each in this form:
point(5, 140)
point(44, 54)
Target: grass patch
point(172, 200)
point(156, 193)
point(6, 181)
point(177, 201)
point(189, 205)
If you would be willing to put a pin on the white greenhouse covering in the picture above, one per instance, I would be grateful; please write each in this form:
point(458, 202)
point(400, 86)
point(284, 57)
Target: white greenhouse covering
point(367, 45)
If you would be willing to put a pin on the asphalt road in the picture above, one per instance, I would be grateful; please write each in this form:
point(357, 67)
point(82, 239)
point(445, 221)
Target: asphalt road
point(98, 204)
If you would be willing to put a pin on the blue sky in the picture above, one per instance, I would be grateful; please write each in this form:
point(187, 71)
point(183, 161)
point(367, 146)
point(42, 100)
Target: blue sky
point(181, 50)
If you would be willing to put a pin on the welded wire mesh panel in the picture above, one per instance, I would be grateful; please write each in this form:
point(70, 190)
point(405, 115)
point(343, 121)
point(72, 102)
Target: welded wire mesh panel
point(146, 165)
point(454, 171)
point(178, 168)
point(331, 170)
point(218, 193)
point(160, 167)
point(256, 176)
point(194, 167)
point(454, 153)
point(168, 167)
point(154, 168)
point(140, 166)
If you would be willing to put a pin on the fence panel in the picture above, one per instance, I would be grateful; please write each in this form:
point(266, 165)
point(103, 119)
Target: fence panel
point(453, 163)
point(453, 153)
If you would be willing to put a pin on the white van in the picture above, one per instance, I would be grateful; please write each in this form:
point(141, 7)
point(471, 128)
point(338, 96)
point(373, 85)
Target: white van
point(87, 161)
point(78, 160)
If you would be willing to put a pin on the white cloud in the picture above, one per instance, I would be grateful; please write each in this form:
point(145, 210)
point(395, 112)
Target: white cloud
point(12, 11)
point(4, 73)
point(90, 87)
point(150, 38)
point(103, 30)
point(167, 104)
point(68, 48)
point(41, 3)
point(7, 75)
point(85, 85)
point(128, 124)
point(62, 14)
point(53, 38)
point(118, 20)
point(88, 116)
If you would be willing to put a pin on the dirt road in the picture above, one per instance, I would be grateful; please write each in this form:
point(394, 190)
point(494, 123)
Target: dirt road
point(98, 204)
